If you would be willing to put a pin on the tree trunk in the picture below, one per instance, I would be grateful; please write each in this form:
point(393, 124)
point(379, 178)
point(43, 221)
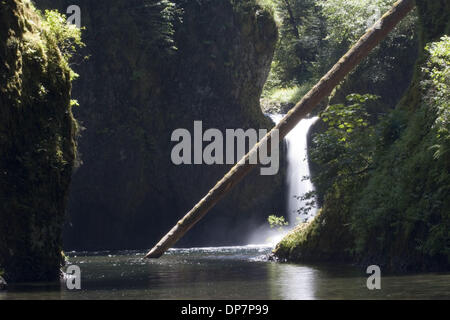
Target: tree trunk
point(321, 90)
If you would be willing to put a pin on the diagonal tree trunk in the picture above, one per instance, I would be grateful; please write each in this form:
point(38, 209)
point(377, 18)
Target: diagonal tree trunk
point(321, 90)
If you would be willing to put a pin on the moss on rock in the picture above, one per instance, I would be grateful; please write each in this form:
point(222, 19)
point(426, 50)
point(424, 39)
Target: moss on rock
point(37, 147)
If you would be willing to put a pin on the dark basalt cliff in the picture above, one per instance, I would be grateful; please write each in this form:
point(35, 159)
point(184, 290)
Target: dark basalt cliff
point(156, 66)
point(37, 149)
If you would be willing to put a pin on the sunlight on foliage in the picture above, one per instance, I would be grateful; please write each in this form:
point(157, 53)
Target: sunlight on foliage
point(437, 86)
point(67, 36)
point(277, 222)
point(269, 5)
point(349, 19)
point(345, 149)
point(288, 95)
point(313, 35)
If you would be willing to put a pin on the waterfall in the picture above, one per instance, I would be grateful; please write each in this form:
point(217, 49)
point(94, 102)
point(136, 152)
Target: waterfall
point(297, 175)
point(297, 168)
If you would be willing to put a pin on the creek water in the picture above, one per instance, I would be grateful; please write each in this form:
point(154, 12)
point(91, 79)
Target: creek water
point(224, 273)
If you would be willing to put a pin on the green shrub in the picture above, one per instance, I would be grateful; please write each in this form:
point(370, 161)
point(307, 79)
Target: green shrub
point(436, 87)
point(277, 222)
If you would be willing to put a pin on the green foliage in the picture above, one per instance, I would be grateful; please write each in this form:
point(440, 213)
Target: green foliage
point(281, 99)
point(347, 20)
point(386, 190)
point(66, 36)
point(287, 94)
point(437, 91)
point(301, 29)
point(434, 19)
point(277, 222)
point(161, 15)
point(314, 34)
point(294, 239)
point(384, 175)
point(74, 103)
point(345, 149)
point(405, 203)
point(268, 5)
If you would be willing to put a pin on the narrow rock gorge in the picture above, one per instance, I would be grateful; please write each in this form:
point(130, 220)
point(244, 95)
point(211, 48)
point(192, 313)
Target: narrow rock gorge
point(156, 66)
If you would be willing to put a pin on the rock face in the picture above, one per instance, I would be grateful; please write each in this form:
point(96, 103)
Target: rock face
point(37, 149)
point(156, 66)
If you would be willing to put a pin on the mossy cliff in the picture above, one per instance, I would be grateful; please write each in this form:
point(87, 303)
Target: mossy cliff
point(37, 149)
point(398, 215)
point(156, 66)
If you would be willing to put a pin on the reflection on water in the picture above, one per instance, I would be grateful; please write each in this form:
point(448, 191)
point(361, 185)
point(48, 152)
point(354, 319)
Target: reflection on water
point(292, 282)
point(224, 273)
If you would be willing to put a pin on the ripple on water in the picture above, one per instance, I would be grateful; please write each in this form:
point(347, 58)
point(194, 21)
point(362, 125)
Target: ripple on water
point(225, 273)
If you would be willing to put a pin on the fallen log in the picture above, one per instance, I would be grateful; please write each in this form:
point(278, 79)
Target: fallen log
point(320, 91)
